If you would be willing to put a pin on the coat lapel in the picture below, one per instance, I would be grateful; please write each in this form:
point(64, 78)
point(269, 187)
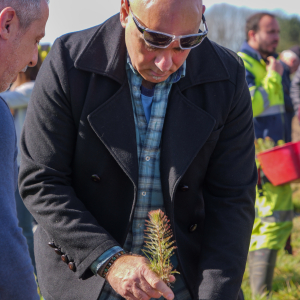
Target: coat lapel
point(113, 122)
point(187, 126)
point(186, 129)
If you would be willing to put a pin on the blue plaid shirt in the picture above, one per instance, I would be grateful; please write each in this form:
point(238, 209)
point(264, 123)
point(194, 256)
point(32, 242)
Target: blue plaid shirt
point(150, 196)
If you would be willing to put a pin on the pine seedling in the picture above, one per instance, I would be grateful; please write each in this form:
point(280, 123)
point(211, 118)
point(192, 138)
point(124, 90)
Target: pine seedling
point(159, 247)
point(266, 144)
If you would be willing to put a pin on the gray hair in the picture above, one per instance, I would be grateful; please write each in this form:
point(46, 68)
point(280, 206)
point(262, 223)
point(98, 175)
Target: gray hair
point(26, 10)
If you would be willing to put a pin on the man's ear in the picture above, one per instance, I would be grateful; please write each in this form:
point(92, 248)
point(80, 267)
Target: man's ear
point(8, 22)
point(124, 12)
point(251, 35)
point(203, 9)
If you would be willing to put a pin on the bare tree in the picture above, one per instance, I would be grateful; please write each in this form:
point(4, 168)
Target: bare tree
point(226, 24)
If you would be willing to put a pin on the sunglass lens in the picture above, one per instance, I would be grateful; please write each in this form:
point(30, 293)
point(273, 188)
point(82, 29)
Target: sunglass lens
point(191, 41)
point(157, 39)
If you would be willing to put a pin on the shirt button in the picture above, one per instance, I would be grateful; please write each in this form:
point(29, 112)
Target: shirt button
point(144, 193)
point(148, 158)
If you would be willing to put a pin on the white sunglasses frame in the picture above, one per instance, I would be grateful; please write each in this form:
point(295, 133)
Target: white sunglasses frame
point(142, 29)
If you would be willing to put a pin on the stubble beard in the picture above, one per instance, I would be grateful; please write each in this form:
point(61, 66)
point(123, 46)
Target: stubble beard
point(264, 52)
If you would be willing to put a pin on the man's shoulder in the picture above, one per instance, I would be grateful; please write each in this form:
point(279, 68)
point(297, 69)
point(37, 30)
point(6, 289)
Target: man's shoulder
point(78, 39)
point(76, 42)
point(3, 104)
point(229, 60)
point(7, 129)
point(6, 119)
point(229, 57)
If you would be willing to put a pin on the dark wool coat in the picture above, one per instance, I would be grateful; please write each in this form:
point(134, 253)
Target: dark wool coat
point(79, 171)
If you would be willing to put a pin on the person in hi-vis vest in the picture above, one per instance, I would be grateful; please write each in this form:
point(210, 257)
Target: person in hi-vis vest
point(274, 208)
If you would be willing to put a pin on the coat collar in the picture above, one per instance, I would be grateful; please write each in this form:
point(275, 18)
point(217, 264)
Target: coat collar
point(105, 53)
point(108, 46)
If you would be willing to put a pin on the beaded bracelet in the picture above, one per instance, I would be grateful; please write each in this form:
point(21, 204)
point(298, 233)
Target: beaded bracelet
point(110, 263)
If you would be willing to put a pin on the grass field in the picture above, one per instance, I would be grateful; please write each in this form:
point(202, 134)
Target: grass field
point(286, 282)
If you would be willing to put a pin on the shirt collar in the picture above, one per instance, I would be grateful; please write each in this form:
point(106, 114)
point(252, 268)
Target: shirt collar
point(175, 77)
point(254, 53)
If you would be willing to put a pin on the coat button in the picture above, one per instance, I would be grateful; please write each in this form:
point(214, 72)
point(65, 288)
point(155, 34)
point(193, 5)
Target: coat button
point(184, 188)
point(72, 266)
point(193, 227)
point(96, 178)
point(57, 251)
point(64, 258)
point(51, 245)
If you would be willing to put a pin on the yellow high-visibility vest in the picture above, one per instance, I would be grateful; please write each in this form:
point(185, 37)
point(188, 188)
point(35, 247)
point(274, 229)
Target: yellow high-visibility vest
point(268, 90)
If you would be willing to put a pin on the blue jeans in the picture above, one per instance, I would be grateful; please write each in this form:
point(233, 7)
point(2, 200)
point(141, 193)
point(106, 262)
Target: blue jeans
point(25, 222)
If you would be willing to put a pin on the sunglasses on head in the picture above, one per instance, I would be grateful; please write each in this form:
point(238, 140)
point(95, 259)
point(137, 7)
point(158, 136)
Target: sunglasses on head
point(159, 39)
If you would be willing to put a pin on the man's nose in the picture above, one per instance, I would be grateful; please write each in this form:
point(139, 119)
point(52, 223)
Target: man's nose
point(164, 60)
point(34, 58)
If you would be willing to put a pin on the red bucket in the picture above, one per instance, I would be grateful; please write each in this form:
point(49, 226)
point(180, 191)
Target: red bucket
point(282, 163)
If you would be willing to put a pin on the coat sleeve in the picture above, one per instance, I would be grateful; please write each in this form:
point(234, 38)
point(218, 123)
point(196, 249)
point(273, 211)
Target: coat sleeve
point(48, 145)
point(295, 92)
point(16, 270)
point(229, 195)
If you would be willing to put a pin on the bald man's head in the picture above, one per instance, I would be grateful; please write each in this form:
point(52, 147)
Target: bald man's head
point(291, 59)
point(168, 13)
point(174, 17)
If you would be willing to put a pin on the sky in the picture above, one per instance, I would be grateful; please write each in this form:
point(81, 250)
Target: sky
point(73, 15)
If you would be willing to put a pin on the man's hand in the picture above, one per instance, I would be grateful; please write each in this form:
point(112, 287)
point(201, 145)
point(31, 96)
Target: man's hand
point(131, 277)
point(274, 65)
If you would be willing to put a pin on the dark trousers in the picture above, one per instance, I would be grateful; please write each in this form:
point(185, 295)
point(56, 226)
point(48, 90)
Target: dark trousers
point(261, 266)
point(277, 127)
point(272, 126)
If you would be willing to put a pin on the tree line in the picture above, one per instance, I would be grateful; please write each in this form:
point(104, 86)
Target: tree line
point(226, 25)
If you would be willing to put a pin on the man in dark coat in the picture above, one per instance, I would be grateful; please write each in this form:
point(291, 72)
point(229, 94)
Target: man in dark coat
point(123, 120)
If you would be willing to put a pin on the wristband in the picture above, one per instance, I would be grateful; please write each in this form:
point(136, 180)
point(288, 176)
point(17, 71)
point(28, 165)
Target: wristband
point(110, 263)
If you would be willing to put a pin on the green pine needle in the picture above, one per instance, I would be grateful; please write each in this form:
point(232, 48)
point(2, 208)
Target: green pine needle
point(158, 245)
